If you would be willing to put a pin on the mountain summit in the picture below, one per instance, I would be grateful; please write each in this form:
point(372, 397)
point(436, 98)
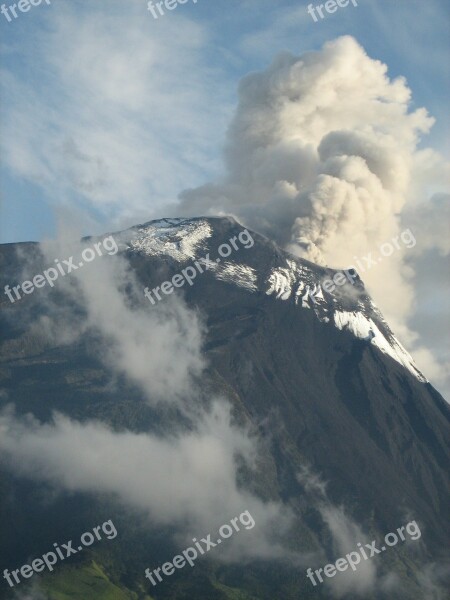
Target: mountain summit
point(286, 277)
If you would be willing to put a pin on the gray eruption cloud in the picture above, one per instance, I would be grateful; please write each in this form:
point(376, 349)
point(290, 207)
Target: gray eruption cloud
point(322, 156)
point(321, 146)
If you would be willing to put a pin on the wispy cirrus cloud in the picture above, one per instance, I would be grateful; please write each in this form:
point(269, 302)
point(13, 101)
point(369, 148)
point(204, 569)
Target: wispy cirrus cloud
point(112, 118)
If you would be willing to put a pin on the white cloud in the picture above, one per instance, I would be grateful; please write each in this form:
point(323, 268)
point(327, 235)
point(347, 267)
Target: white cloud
point(187, 481)
point(346, 534)
point(159, 348)
point(186, 477)
point(322, 155)
point(109, 119)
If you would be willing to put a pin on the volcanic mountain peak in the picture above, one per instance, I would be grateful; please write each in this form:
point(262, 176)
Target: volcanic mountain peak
point(271, 271)
point(178, 238)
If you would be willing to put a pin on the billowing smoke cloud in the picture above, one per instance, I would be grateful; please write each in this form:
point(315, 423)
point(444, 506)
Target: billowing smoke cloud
point(433, 221)
point(326, 142)
point(322, 156)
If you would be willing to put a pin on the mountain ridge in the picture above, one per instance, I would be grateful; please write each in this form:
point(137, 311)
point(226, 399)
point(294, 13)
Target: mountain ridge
point(360, 317)
point(320, 398)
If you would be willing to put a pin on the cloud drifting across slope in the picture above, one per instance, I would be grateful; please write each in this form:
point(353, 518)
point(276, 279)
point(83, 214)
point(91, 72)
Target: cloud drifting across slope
point(323, 156)
point(187, 481)
point(186, 474)
point(158, 350)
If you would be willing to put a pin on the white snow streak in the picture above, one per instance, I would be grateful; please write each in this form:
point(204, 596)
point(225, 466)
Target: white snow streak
point(359, 325)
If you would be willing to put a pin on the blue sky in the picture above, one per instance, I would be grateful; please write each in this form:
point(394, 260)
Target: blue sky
point(108, 114)
point(229, 38)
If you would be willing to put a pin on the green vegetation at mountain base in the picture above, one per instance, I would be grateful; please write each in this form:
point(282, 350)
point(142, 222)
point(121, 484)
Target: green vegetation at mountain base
point(88, 582)
point(233, 593)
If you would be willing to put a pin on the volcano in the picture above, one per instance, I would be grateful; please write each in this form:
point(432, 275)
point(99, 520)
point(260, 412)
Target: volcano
point(320, 377)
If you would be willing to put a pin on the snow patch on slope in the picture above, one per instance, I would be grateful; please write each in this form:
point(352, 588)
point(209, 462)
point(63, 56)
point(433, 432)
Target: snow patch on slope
point(280, 283)
point(166, 237)
point(186, 240)
point(241, 275)
point(303, 285)
point(297, 281)
point(360, 325)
